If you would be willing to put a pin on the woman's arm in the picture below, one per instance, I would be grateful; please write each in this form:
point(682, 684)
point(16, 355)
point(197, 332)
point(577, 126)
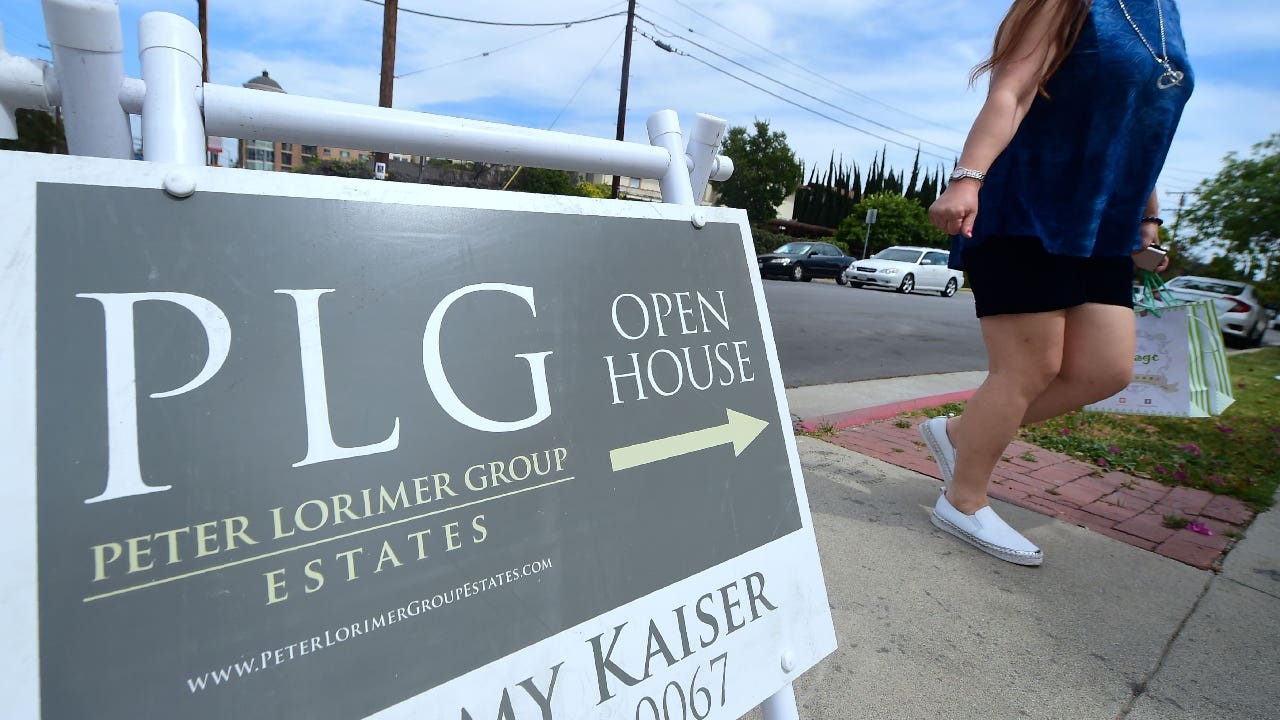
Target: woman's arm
point(1149, 232)
point(1014, 84)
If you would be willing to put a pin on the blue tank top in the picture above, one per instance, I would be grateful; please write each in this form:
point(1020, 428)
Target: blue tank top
point(1079, 170)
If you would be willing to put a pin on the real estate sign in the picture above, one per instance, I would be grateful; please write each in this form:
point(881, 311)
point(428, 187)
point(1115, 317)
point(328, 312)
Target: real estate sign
point(319, 448)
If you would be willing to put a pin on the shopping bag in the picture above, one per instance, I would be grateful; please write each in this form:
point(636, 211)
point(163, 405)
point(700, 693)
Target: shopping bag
point(1213, 350)
point(1180, 365)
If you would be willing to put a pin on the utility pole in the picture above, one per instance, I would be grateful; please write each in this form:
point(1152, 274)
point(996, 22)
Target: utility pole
point(204, 39)
point(1182, 199)
point(390, 11)
point(626, 74)
point(212, 152)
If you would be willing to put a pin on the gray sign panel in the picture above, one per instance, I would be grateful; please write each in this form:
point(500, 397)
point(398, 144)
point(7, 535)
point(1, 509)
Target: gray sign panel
point(309, 458)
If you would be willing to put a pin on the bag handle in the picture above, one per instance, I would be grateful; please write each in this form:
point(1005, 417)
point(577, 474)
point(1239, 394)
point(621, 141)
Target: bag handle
point(1151, 299)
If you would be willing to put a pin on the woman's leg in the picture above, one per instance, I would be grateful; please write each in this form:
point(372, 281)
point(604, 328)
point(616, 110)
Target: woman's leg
point(1097, 361)
point(1025, 354)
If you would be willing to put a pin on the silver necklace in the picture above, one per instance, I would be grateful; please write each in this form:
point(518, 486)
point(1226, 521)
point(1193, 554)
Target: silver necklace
point(1170, 77)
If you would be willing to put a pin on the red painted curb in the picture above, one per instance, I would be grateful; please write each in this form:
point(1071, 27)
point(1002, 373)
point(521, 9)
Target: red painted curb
point(881, 412)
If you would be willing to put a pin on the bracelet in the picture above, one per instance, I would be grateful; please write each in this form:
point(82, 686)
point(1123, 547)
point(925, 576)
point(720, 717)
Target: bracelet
point(1152, 219)
point(961, 173)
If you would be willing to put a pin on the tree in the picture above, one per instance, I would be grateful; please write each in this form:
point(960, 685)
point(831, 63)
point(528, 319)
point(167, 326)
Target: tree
point(593, 190)
point(1239, 208)
point(336, 168)
point(828, 202)
point(37, 132)
point(765, 171)
point(899, 221)
point(544, 182)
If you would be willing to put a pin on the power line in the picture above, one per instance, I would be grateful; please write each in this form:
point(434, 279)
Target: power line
point(484, 54)
point(588, 77)
point(573, 96)
point(787, 100)
point(798, 91)
point(565, 23)
point(810, 72)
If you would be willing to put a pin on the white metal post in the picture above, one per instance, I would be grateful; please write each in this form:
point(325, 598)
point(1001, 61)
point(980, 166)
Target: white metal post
point(88, 54)
point(664, 132)
point(781, 705)
point(678, 183)
point(21, 86)
point(704, 143)
point(241, 112)
point(172, 126)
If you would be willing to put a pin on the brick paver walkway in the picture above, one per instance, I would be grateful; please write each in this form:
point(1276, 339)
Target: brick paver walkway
point(1120, 506)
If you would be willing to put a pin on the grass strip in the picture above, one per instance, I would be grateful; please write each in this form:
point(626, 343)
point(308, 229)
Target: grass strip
point(1235, 454)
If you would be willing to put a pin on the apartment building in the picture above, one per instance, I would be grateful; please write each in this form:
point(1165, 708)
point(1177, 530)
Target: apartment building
point(283, 156)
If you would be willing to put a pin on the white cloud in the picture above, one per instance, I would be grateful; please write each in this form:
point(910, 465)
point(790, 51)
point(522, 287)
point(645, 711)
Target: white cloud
point(1231, 28)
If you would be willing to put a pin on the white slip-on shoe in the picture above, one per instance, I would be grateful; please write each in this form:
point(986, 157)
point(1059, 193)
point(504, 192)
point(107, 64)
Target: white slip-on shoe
point(934, 432)
point(987, 532)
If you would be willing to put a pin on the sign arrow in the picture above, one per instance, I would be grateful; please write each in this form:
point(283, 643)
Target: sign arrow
point(740, 430)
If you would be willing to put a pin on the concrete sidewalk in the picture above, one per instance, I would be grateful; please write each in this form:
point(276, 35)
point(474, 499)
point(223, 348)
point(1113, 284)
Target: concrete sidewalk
point(931, 628)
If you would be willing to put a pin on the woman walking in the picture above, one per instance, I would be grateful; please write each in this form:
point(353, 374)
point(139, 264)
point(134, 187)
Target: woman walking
point(1053, 193)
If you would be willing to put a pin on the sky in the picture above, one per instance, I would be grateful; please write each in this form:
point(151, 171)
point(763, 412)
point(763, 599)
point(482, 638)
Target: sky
point(843, 77)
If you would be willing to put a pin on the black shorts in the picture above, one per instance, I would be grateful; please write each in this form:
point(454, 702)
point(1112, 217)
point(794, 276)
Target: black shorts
point(1011, 275)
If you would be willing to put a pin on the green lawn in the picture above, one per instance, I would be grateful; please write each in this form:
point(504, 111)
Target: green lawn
point(1236, 453)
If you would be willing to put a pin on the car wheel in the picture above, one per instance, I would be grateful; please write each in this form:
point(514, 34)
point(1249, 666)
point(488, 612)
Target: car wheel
point(950, 289)
point(1254, 341)
point(799, 275)
point(855, 285)
point(908, 284)
point(840, 279)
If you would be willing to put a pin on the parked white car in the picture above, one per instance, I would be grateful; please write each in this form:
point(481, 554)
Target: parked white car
point(1240, 313)
point(906, 269)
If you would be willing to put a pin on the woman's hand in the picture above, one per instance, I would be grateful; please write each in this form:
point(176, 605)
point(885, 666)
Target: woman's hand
point(1149, 234)
point(955, 210)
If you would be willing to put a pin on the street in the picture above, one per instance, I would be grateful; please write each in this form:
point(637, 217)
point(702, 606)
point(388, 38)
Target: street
point(830, 334)
point(826, 333)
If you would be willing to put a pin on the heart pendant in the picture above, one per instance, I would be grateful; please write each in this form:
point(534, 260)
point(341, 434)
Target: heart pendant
point(1169, 79)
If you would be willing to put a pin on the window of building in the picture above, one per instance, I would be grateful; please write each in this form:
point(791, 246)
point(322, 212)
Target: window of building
point(308, 149)
point(345, 155)
point(260, 152)
point(633, 182)
point(286, 159)
point(325, 151)
point(286, 147)
point(364, 158)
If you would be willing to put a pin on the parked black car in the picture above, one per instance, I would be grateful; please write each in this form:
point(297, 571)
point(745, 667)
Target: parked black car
point(805, 260)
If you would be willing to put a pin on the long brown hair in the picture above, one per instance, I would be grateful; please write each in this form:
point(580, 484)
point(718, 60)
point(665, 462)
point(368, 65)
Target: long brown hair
point(1068, 18)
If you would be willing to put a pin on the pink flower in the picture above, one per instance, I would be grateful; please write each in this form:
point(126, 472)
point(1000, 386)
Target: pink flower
point(1113, 450)
point(1160, 470)
point(1218, 479)
point(1191, 449)
point(1102, 462)
point(1065, 431)
point(1226, 430)
point(1180, 476)
point(1196, 526)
